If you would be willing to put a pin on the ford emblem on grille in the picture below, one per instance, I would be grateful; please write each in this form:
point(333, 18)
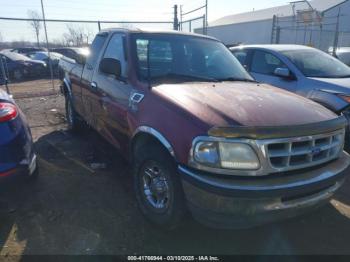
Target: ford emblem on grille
point(315, 151)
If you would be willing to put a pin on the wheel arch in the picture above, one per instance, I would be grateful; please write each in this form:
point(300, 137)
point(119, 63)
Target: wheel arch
point(144, 135)
point(66, 87)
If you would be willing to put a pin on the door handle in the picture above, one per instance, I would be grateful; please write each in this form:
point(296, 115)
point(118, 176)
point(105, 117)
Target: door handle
point(93, 86)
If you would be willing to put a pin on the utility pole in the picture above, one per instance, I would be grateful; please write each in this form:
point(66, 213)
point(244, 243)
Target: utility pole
point(273, 30)
point(47, 44)
point(206, 15)
point(176, 20)
point(180, 17)
point(336, 36)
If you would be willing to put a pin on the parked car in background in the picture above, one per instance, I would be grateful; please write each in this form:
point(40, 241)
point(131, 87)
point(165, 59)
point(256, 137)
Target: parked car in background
point(27, 50)
point(17, 157)
point(54, 58)
point(72, 52)
point(201, 133)
point(18, 66)
point(342, 53)
point(303, 70)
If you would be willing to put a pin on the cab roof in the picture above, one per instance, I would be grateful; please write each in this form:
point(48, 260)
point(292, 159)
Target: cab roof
point(149, 31)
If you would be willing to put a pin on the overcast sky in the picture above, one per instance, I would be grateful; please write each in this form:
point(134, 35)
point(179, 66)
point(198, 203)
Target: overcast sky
point(129, 10)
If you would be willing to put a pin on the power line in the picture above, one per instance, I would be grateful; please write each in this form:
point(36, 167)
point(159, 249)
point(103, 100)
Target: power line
point(86, 21)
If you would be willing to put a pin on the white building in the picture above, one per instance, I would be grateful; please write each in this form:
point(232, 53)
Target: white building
point(314, 23)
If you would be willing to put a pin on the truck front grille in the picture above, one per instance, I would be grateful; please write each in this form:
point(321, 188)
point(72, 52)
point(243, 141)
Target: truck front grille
point(301, 152)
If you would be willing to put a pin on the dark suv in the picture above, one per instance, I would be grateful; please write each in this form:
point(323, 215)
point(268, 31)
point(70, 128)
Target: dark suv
point(201, 134)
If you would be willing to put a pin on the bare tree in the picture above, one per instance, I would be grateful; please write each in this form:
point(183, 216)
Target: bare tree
point(77, 35)
point(35, 24)
point(89, 35)
point(1, 38)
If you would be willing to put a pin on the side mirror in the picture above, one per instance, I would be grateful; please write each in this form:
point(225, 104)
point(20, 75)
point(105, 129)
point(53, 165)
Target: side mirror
point(282, 72)
point(111, 66)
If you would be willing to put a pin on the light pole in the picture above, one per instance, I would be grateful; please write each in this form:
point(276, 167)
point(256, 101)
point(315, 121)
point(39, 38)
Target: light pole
point(47, 44)
point(206, 17)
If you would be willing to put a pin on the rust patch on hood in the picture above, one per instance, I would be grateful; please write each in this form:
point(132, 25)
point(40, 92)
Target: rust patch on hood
point(243, 104)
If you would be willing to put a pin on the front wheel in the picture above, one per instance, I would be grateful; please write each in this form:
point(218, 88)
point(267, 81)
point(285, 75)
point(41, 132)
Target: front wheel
point(158, 187)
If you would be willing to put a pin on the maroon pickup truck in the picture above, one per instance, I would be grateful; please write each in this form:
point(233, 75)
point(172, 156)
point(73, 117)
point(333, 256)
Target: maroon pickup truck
point(201, 134)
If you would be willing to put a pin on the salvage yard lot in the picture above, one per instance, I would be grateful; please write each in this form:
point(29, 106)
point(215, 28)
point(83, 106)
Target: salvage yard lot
point(73, 209)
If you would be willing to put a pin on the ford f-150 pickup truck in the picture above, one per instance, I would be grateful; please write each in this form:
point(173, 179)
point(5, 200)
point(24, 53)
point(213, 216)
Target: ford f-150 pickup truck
point(201, 134)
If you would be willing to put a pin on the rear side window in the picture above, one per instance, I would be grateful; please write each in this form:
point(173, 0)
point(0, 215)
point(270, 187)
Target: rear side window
point(95, 50)
point(265, 63)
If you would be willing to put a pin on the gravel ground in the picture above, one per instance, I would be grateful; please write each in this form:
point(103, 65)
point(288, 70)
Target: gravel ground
point(72, 209)
point(33, 88)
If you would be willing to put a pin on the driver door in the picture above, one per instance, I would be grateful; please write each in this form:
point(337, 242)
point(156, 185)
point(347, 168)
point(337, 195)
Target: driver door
point(111, 112)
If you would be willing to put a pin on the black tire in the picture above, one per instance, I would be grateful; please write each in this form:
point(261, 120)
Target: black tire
point(75, 124)
point(171, 216)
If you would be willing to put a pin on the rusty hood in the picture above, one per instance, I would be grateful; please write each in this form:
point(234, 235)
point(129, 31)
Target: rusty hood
point(243, 104)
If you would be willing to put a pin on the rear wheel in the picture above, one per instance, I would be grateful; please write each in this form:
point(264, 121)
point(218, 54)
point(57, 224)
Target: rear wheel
point(74, 123)
point(158, 187)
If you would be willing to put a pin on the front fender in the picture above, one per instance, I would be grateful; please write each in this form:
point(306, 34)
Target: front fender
point(158, 136)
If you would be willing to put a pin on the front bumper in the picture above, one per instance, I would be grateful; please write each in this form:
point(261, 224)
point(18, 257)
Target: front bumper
point(240, 202)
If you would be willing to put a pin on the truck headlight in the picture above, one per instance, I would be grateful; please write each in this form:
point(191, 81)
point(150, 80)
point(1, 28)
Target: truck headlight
point(227, 155)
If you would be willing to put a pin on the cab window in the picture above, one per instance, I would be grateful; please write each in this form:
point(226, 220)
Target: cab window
point(95, 50)
point(115, 50)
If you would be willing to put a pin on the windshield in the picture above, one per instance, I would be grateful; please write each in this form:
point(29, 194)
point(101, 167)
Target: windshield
point(185, 58)
point(16, 57)
point(315, 63)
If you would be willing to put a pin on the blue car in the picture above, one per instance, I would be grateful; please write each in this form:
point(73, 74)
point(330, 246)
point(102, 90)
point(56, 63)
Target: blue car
point(17, 157)
point(300, 69)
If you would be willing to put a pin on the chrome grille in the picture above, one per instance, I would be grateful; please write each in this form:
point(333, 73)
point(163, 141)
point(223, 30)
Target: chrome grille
point(301, 152)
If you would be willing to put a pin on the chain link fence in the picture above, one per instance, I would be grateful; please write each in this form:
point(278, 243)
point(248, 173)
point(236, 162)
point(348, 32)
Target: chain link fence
point(194, 25)
point(195, 19)
point(324, 32)
point(27, 69)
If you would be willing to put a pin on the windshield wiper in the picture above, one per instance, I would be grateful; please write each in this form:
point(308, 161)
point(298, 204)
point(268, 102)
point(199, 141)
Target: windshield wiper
point(237, 79)
point(183, 76)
